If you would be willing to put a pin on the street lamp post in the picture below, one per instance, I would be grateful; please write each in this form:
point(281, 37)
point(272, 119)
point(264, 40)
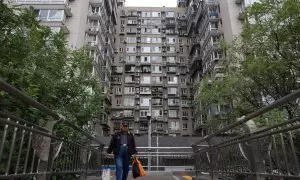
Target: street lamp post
point(149, 133)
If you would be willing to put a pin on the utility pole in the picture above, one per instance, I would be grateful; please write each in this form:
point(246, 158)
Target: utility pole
point(149, 134)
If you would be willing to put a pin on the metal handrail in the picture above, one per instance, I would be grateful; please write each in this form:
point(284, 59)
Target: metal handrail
point(244, 119)
point(39, 151)
point(30, 101)
point(265, 152)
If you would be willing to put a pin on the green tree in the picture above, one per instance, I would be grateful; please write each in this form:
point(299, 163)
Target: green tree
point(37, 61)
point(262, 65)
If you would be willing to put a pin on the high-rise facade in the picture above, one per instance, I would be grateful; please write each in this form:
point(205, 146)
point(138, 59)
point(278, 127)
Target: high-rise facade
point(149, 73)
point(149, 59)
point(209, 23)
point(86, 23)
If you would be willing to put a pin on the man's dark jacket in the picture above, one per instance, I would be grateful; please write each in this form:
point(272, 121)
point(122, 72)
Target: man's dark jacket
point(115, 144)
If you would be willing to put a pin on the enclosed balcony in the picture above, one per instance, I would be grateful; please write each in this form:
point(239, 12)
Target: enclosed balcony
point(241, 15)
point(47, 5)
point(146, 69)
point(172, 69)
point(93, 30)
point(129, 68)
point(94, 15)
point(156, 102)
point(117, 70)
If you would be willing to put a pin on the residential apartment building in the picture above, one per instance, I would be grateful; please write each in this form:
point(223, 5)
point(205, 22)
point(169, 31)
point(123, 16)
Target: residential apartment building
point(149, 59)
point(86, 23)
point(209, 22)
point(149, 73)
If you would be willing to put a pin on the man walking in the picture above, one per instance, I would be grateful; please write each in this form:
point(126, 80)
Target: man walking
point(123, 146)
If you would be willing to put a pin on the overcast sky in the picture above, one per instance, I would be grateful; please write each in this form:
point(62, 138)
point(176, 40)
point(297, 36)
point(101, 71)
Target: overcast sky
point(151, 3)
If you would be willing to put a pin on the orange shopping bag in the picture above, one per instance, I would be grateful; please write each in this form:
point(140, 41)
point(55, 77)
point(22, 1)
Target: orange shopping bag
point(137, 169)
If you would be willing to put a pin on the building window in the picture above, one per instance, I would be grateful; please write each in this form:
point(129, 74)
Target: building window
point(184, 126)
point(170, 49)
point(129, 90)
point(146, 49)
point(143, 113)
point(156, 31)
point(145, 101)
point(155, 14)
point(174, 125)
point(51, 15)
point(171, 40)
point(157, 113)
point(156, 59)
point(128, 101)
point(170, 14)
point(145, 59)
point(131, 49)
point(122, 22)
point(172, 90)
point(156, 49)
point(145, 79)
point(172, 80)
point(95, 9)
point(182, 80)
point(146, 14)
point(145, 90)
point(118, 102)
point(156, 69)
point(146, 40)
point(184, 90)
point(185, 114)
point(118, 90)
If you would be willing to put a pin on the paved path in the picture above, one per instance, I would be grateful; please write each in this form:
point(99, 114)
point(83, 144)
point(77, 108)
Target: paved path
point(160, 176)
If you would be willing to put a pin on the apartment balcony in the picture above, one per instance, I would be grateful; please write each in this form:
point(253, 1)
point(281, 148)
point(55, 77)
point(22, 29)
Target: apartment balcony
point(132, 14)
point(241, 15)
point(95, 3)
point(172, 70)
point(108, 6)
point(146, 70)
point(123, 13)
point(117, 70)
point(94, 15)
point(195, 43)
point(171, 62)
point(131, 32)
point(132, 23)
point(47, 4)
point(170, 24)
point(177, 104)
point(171, 32)
point(156, 83)
point(216, 32)
point(93, 44)
point(199, 13)
point(93, 30)
point(61, 24)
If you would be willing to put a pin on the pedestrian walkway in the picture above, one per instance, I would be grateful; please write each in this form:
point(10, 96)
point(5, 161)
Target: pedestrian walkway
point(152, 176)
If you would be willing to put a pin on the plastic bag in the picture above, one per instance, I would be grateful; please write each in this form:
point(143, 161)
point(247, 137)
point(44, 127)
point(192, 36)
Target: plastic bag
point(106, 174)
point(137, 169)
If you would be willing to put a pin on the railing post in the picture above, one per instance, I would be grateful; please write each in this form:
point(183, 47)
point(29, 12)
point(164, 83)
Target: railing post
point(52, 152)
point(84, 157)
point(252, 153)
point(44, 148)
point(212, 158)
